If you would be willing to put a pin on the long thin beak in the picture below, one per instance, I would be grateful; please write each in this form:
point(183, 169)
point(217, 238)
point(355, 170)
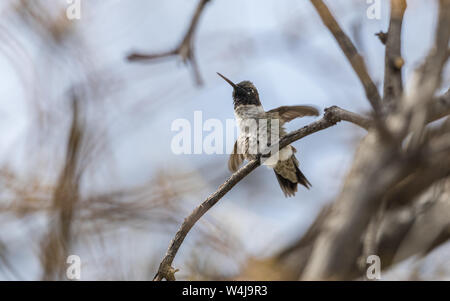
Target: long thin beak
point(228, 81)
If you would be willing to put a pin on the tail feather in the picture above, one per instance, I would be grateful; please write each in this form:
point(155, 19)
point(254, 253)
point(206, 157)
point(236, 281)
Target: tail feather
point(302, 179)
point(288, 187)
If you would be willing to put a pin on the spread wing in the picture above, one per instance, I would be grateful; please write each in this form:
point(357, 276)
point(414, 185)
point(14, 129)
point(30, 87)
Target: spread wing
point(235, 159)
point(288, 113)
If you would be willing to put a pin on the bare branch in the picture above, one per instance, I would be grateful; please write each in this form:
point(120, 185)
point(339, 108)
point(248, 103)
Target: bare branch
point(393, 84)
point(134, 57)
point(357, 119)
point(431, 220)
point(427, 78)
point(379, 167)
point(413, 200)
point(415, 184)
point(56, 245)
point(376, 169)
point(185, 50)
point(440, 107)
point(351, 53)
point(332, 116)
point(439, 55)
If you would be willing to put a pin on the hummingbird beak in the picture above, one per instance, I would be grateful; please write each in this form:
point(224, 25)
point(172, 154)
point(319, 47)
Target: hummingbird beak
point(228, 81)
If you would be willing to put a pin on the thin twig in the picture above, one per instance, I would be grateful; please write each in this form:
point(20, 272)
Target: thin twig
point(332, 116)
point(185, 50)
point(382, 36)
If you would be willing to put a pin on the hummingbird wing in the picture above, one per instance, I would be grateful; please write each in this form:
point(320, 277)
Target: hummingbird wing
point(288, 113)
point(235, 159)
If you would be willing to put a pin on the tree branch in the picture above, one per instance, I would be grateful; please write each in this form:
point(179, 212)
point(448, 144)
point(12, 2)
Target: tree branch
point(354, 118)
point(439, 107)
point(332, 116)
point(351, 53)
point(184, 50)
point(393, 85)
point(378, 167)
point(427, 78)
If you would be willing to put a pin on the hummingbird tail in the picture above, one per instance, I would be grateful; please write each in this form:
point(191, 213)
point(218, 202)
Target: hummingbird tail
point(302, 179)
point(288, 187)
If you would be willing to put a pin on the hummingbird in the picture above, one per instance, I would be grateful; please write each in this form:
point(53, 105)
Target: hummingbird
point(249, 111)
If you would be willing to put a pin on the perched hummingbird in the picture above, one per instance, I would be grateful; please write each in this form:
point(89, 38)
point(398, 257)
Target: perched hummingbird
point(248, 110)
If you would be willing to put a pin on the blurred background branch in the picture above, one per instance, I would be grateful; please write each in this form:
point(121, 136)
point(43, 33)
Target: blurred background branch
point(185, 50)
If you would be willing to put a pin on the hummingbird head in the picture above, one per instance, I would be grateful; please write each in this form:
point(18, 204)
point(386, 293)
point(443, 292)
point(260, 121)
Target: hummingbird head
point(244, 93)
